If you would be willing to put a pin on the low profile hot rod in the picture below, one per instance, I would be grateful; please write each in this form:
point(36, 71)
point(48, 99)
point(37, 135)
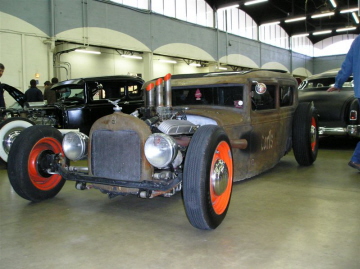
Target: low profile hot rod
point(196, 133)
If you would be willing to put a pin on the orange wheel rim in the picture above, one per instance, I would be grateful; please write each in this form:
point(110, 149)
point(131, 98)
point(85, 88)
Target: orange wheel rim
point(221, 175)
point(313, 133)
point(40, 181)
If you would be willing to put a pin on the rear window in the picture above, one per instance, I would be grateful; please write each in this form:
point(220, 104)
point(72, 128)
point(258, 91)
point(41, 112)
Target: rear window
point(220, 95)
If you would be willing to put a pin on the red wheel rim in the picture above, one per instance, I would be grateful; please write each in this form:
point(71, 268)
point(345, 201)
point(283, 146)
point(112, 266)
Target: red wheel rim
point(39, 181)
point(221, 201)
point(313, 133)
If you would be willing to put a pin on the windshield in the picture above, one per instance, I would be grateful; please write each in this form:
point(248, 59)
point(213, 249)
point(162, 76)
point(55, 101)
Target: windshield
point(221, 95)
point(73, 93)
point(322, 84)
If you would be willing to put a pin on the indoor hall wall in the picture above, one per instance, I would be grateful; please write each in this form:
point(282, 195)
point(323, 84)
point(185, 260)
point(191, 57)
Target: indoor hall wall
point(322, 64)
point(103, 24)
point(23, 53)
point(302, 65)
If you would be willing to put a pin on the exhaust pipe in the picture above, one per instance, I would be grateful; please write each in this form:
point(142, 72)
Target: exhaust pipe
point(159, 92)
point(168, 92)
point(150, 95)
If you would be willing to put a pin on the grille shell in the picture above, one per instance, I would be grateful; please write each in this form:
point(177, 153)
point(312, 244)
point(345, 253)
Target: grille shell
point(116, 154)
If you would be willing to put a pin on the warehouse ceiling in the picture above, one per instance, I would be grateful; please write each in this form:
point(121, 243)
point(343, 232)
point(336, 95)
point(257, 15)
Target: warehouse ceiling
point(281, 10)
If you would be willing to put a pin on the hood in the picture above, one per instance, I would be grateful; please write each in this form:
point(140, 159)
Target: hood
point(18, 95)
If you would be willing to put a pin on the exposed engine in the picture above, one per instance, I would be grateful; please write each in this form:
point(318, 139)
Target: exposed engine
point(41, 117)
point(159, 113)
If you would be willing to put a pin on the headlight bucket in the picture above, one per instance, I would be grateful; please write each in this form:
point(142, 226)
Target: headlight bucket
point(160, 150)
point(75, 145)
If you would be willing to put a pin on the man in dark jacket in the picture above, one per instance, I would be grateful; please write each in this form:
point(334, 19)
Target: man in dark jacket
point(50, 95)
point(33, 94)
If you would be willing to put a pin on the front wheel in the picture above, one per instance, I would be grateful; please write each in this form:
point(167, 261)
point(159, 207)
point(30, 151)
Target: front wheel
point(208, 177)
point(9, 131)
point(305, 134)
point(29, 161)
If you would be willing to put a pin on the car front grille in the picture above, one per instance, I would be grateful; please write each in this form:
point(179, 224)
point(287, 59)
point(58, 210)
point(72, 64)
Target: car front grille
point(116, 154)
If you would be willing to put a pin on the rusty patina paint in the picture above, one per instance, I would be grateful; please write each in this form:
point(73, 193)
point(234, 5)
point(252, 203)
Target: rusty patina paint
point(120, 121)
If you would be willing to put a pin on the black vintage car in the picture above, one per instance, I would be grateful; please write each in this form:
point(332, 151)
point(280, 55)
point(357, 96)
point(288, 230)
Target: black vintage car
point(338, 111)
point(197, 133)
point(80, 102)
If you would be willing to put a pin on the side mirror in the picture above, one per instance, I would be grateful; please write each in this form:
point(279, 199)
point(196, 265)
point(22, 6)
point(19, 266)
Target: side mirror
point(260, 88)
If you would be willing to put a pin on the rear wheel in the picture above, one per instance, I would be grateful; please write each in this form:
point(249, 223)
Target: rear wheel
point(9, 130)
point(29, 161)
point(208, 177)
point(305, 134)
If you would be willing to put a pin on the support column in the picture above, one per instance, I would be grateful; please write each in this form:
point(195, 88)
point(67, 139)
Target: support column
point(148, 66)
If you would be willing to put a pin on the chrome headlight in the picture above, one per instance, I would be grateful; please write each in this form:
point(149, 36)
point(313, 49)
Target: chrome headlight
point(160, 150)
point(75, 145)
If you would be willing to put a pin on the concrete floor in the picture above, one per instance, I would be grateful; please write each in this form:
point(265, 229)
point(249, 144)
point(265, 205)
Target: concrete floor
point(291, 217)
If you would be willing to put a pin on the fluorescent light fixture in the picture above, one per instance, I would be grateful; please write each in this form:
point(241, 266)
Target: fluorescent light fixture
point(322, 32)
point(88, 51)
point(221, 68)
point(355, 17)
point(327, 14)
point(195, 64)
point(345, 29)
point(254, 2)
point(301, 35)
point(333, 3)
point(295, 19)
point(131, 56)
point(349, 10)
point(228, 7)
point(270, 23)
point(168, 61)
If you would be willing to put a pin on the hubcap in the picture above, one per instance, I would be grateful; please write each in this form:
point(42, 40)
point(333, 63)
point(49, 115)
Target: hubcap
point(313, 134)
point(9, 139)
point(220, 177)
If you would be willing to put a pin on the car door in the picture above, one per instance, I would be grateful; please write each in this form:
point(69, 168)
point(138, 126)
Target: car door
point(265, 136)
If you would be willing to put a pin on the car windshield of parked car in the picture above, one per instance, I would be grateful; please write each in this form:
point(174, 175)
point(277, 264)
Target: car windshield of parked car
point(221, 95)
point(322, 84)
point(72, 93)
point(119, 89)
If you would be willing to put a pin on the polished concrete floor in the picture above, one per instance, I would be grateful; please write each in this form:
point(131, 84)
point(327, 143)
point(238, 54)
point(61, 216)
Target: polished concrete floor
point(290, 217)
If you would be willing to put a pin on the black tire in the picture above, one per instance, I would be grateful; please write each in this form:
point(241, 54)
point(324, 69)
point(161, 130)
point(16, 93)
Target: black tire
point(207, 194)
point(305, 137)
point(27, 163)
point(9, 130)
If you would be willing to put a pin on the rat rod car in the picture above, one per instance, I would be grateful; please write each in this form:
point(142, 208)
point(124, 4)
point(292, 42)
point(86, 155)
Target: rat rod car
point(80, 102)
point(338, 112)
point(196, 133)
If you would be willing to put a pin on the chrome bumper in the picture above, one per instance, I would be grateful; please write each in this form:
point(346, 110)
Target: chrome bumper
point(351, 130)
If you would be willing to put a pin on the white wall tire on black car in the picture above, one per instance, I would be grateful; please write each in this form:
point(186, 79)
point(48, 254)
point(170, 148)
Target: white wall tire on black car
point(9, 130)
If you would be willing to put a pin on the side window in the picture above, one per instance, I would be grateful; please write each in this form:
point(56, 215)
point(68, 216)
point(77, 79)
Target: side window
point(218, 95)
point(286, 95)
point(265, 100)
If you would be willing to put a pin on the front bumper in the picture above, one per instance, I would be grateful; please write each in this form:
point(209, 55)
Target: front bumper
point(151, 185)
point(350, 130)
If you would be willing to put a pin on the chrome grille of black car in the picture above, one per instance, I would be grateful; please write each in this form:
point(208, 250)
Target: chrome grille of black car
point(116, 154)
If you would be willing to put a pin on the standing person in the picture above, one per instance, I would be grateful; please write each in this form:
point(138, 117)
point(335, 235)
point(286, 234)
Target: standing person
point(2, 100)
point(49, 94)
point(351, 65)
point(33, 94)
